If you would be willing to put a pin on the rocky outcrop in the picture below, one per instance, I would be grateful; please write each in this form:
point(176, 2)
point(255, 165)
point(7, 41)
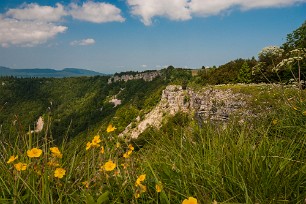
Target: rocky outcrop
point(207, 104)
point(146, 76)
point(115, 101)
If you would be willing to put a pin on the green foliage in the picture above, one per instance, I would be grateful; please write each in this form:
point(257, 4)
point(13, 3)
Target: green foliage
point(78, 103)
point(227, 73)
point(296, 39)
point(124, 116)
point(245, 74)
point(177, 75)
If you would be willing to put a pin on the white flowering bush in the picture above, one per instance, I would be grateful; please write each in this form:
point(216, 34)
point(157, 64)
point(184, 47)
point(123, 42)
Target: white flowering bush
point(270, 54)
point(294, 56)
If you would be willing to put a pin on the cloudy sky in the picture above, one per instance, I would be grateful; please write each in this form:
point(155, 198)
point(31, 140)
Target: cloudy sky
point(120, 35)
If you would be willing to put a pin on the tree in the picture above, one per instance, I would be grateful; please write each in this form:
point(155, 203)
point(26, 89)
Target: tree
point(296, 39)
point(270, 55)
point(245, 73)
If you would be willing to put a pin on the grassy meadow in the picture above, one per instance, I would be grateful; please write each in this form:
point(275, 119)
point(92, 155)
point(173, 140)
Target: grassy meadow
point(257, 160)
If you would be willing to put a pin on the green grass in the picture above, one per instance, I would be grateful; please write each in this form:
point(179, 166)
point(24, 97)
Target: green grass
point(261, 160)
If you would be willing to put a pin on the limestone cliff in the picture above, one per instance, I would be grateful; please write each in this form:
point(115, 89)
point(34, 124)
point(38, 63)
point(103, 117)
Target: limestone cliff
point(206, 104)
point(146, 76)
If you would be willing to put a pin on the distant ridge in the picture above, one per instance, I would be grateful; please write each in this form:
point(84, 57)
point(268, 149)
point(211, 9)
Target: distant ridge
point(52, 73)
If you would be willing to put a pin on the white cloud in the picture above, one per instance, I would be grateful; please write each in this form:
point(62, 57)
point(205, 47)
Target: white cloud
point(33, 24)
point(38, 13)
point(30, 25)
point(185, 9)
point(27, 33)
point(88, 41)
point(144, 65)
point(96, 12)
point(267, 4)
point(172, 9)
point(210, 7)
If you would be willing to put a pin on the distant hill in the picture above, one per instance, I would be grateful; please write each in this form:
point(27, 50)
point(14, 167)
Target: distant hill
point(67, 72)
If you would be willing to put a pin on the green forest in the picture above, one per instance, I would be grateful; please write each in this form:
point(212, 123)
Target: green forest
point(78, 157)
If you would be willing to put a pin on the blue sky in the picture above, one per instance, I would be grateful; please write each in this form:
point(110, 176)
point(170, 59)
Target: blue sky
point(123, 35)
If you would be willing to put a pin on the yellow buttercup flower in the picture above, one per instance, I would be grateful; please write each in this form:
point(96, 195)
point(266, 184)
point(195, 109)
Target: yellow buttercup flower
point(190, 200)
point(143, 188)
point(102, 150)
point(55, 152)
point(35, 152)
point(274, 122)
point(158, 188)
point(117, 145)
point(110, 128)
point(59, 172)
point(88, 145)
point(140, 179)
point(127, 154)
point(131, 147)
point(86, 184)
point(20, 166)
point(109, 166)
point(137, 195)
point(95, 141)
point(304, 113)
point(11, 159)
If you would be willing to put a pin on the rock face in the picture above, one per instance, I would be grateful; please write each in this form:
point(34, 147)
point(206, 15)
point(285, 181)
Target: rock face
point(146, 76)
point(207, 104)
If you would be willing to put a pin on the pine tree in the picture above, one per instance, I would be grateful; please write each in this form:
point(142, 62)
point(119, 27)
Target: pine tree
point(245, 74)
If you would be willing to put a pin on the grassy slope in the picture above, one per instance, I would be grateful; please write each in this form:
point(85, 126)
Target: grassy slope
point(261, 160)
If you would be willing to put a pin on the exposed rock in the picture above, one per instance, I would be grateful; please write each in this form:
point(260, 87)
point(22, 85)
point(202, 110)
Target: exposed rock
point(115, 101)
point(146, 76)
point(207, 104)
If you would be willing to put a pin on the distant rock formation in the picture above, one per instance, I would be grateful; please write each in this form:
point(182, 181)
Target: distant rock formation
point(207, 104)
point(146, 76)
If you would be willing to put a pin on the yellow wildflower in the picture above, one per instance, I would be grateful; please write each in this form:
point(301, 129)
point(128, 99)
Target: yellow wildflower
point(102, 150)
point(59, 172)
point(117, 145)
point(20, 166)
point(110, 128)
point(190, 200)
point(86, 184)
point(143, 188)
point(35, 152)
point(127, 154)
point(137, 195)
point(52, 164)
point(304, 113)
point(11, 159)
point(131, 147)
point(140, 179)
point(274, 122)
point(158, 188)
point(88, 145)
point(109, 166)
point(55, 152)
point(95, 141)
